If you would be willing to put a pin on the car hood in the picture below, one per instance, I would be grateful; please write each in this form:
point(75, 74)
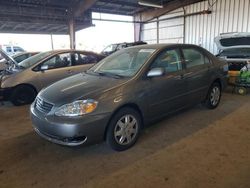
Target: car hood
point(80, 86)
point(232, 40)
point(7, 57)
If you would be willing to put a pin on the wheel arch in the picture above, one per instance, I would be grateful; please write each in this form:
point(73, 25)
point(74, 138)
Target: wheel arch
point(127, 105)
point(25, 84)
point(218, 80)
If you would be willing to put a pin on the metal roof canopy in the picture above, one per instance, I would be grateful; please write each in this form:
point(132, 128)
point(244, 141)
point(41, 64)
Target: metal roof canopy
point(43, 16)
point(53, 16)
point(68, 16)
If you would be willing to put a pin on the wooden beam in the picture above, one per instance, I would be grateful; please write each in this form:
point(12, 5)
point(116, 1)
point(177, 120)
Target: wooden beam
point(168, 7)
point(83, 6)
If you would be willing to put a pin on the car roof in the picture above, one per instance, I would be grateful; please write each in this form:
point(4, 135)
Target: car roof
point(162, 46)
point(71, 50)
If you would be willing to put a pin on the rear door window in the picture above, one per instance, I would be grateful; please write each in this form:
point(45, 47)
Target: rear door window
point(193, 57)
point(82, 59)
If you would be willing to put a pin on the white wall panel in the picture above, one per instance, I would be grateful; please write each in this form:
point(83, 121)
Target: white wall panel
point(149, 32)
point(227, 16)
point(171, 30)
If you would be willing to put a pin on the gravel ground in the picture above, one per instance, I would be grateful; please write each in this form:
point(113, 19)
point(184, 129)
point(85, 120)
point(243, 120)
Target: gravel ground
point(195, 148)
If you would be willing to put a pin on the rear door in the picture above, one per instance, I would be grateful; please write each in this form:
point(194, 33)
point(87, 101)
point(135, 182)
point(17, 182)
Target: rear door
point(197, 74)
point(166, 93)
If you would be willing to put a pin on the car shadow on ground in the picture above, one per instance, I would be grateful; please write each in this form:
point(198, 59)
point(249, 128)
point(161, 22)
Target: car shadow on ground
point(37, 157)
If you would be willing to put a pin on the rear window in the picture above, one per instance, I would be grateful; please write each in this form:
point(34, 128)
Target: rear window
point(236, 53)
point(235, 41)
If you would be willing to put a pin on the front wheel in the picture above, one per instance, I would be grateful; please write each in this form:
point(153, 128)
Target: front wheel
point(213, 96)
point(124, 129)
point(23, 95)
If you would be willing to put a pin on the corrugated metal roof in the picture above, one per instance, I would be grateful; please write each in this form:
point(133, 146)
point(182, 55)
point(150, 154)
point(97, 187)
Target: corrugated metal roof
point(52, 16)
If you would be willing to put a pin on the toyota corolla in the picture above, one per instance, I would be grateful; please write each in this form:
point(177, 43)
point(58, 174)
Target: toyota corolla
point(121, 94)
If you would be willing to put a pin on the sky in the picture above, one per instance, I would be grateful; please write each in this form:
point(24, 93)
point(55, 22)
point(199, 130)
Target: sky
point(93, 38)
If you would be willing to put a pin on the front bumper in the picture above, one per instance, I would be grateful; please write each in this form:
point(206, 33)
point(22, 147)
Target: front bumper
point(69, 131)
point(5, 93)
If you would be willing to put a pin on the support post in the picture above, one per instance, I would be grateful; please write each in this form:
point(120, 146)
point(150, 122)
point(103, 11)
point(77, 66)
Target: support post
point(137, 28)
point(52, 44)
point(158, 31)
point(72, 33)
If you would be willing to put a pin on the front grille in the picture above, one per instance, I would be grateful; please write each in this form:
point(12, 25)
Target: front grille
point(236, 66)
point(42, 105)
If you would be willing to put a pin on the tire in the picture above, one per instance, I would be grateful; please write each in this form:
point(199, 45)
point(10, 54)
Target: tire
point(23, 95)
point(121, 135)
point(241, 90)
point(213, 96)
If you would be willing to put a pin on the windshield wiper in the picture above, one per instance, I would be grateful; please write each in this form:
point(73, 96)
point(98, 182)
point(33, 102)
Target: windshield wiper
point(108, 74)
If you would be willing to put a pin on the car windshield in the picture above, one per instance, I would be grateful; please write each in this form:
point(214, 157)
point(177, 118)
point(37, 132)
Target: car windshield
point(110, 48)
point(125, 63)
point(34, 59)
point(236, 52)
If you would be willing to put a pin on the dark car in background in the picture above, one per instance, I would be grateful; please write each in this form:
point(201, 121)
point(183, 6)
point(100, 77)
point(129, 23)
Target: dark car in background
point(21, 82)
point(115, 47)
point(114, 99)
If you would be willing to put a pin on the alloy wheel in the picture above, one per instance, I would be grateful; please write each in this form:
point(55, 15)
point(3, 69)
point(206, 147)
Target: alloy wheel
point(215, 96)
point(126, 129)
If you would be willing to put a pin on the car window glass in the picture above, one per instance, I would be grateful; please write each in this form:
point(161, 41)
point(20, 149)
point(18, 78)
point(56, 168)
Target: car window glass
point(17, 49)
point(8, 49)
point(207, 60)
point(59, 61)
point(169, 60)
point(126, 62)
point(110, 48)
point(21, 57)
point(81, 59)
point(193, 57)
point(121, 46)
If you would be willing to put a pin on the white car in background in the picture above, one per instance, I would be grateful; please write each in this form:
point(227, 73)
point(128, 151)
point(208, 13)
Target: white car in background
point(11, 50)
point(235, 49)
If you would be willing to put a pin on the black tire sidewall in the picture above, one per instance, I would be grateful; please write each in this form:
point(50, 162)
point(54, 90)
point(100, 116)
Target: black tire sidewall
point(22, 90)
point(110, 139)
point(208, 101)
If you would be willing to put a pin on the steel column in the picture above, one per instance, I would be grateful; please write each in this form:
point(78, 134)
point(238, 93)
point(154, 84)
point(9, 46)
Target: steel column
point(72, 36)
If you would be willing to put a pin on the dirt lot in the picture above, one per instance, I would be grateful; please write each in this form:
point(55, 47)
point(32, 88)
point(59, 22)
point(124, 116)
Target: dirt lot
point(195, 148)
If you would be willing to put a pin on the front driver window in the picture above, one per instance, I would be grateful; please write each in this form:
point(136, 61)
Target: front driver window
point(59, 61)
point(169, 60)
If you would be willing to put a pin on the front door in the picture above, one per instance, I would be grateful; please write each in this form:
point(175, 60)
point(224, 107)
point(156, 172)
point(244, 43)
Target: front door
point(167, 93)
point(54, 69)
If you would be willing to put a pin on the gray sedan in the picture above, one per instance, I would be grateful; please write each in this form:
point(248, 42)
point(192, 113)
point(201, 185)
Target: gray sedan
point(117, 97)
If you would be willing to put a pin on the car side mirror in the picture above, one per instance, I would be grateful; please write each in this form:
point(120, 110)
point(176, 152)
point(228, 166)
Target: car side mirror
point(44, 67)
point(155, 72)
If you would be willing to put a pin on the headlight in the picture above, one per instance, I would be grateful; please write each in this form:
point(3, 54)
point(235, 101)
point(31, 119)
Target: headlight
point(77, 108)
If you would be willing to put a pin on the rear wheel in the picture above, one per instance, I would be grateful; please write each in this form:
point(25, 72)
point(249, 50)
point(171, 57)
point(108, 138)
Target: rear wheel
point(213, 96)
point(23, 95)
point(124, 129)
